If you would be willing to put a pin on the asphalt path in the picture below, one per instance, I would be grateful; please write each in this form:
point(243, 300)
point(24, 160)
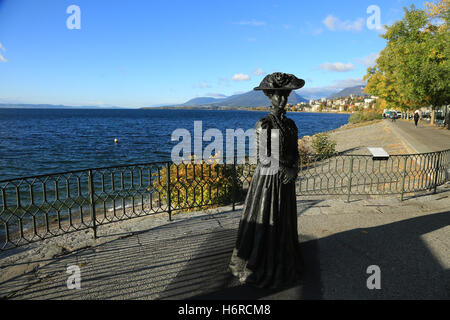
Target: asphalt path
point(188, 258)
point(423, 138)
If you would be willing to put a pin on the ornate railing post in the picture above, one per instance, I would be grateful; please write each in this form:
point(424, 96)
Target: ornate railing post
point(350, 179)
point(233, 185)
point(169, 200)
point(437, 172)
point(92, 203)
point(446, 163)
point(403, 177)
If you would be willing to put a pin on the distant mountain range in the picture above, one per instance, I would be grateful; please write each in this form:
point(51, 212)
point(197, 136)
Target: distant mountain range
point(201, 101)
point(357, 91)
point(247, 99)
point(50, 106)
point(256, 99)
point(243, 100)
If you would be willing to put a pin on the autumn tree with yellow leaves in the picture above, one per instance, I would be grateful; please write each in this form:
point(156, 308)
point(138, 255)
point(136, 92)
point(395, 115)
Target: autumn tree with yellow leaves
point(414, 69)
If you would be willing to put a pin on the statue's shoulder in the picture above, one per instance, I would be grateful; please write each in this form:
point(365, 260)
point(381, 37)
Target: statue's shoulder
point(264, 123)
point(291, 123)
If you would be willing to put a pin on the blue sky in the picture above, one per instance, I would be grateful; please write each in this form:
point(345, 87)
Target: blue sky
point(140, 53)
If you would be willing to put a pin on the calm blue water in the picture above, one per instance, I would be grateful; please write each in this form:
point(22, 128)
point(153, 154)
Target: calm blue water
point(40, 141)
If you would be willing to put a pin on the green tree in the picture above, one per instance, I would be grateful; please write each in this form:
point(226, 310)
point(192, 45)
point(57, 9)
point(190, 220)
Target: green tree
point(413, 69)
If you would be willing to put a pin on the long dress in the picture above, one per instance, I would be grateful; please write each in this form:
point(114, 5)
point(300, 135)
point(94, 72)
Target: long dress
point(267, 252)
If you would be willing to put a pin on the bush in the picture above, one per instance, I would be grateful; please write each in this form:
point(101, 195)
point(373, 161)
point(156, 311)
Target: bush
point(363, 116)
point(192, 185)
point(323, 144)
point(305, 145)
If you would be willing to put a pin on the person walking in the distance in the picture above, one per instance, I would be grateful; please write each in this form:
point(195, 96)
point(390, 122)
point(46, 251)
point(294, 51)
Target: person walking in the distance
point(267, 251)
point(393, 116)
point(416, 118)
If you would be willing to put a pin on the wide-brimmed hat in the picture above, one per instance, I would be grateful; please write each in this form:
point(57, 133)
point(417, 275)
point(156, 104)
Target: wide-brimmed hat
point(280, 81)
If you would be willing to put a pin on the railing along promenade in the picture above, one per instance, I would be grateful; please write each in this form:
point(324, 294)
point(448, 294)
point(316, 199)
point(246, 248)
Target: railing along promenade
point(40, 207)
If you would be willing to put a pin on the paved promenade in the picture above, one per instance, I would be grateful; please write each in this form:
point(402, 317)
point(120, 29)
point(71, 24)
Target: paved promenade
point(424, 138)
point(188, 257)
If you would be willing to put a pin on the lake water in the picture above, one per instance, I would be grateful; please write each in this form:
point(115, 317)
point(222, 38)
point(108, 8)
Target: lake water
point(41, 141)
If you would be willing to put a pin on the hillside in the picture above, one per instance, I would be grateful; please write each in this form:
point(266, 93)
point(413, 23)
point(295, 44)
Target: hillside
point(247, 99)
point(201, 101)
point(357, 90)
point(254, 99)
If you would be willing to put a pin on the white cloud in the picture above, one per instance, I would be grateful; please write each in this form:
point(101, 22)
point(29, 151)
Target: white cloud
point(330, 22)
point(259, 72)
point(253, 23)
point(337, 66)
point(335, 24)
point(2, 58)
point(368, 61)
point(240, 77)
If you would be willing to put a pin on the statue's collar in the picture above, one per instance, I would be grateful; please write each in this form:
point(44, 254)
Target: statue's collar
point(278, 113)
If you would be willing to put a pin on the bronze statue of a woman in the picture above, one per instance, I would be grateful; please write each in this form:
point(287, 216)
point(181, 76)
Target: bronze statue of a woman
point(267, 252)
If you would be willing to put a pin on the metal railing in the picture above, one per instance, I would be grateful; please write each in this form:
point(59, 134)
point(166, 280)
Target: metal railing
point(348, 175)
point(40, 207)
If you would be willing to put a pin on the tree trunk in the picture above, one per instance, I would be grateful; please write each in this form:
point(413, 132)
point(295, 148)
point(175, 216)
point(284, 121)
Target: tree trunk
point(448, 117)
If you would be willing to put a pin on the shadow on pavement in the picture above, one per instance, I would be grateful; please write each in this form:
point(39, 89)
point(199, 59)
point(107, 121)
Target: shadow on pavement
point(408, 259)
point(231, 289)
point(189, 260)
point(215, 282)
point(337, 266)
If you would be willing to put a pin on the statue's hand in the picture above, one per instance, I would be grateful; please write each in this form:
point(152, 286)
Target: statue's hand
point(288, 175)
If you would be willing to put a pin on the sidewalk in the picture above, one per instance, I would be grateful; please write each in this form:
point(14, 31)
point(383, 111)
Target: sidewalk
point(188, 258)
point(424, 138)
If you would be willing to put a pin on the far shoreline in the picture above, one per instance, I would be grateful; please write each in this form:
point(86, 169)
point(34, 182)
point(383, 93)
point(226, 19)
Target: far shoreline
point(164, 108)
point(239, 109)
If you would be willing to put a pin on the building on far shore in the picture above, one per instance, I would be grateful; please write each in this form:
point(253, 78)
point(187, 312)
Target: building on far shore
point(350, 103)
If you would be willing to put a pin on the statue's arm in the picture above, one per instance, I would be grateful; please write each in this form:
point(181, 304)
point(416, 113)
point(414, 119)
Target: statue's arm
point(262, 131)
point(296, 152)
point(289, 167)
point(291, 159)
